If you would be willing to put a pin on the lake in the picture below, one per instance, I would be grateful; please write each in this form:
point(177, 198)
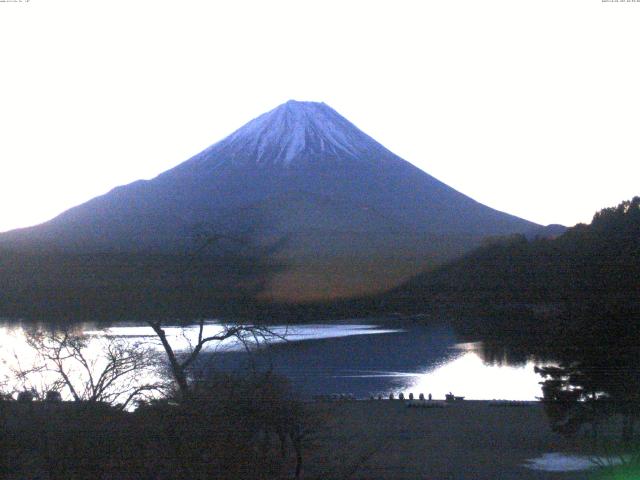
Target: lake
point(359, 357)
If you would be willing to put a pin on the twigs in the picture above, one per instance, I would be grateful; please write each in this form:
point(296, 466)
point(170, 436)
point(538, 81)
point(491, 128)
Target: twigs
point(93, 369)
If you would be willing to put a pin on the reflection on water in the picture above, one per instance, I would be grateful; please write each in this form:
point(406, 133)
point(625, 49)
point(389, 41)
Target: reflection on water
point(415, 359)
point(469, 376)
point(183, 337)
point(345, 358)
point(17, 357)
point(560, 462)
point(465, 374)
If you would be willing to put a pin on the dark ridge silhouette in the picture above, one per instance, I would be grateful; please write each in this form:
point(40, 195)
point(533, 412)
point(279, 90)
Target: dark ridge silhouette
point(592, 263)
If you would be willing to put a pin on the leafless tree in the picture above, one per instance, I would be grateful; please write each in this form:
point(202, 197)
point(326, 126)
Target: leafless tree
point(92, 368)
point(244, 269)
point(245, 335)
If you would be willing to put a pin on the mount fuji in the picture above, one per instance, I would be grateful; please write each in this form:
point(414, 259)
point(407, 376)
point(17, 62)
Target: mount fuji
point(357, 219)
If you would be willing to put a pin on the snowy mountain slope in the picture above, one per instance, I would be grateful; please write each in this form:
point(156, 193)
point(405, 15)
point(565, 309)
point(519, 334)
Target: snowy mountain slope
point(292, 135)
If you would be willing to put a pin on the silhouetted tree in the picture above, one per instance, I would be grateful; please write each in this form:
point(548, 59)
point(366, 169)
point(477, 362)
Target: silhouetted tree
point(246, 426)
point(598, 375)
point(181, 362)
point(243, 269)
point(91, 368)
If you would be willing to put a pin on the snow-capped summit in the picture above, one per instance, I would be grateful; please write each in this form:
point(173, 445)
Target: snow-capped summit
point(292, 134)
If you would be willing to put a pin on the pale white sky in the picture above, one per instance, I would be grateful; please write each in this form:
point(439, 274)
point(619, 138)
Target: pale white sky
point(528, 106)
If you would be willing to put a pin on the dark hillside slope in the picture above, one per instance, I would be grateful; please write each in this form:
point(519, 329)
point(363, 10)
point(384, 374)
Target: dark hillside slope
point(588, 264)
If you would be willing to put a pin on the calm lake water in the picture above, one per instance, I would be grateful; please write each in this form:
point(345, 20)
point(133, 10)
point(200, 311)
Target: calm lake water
point(369, 360)
point(359, 358)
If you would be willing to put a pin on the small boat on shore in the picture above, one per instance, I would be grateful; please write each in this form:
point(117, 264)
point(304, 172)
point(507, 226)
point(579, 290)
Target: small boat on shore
point(450, 397)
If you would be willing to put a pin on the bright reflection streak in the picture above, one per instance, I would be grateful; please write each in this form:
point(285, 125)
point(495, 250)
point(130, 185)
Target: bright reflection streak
point(470, 377)
point(181, 338)
point(467, 375)
point(560, 462)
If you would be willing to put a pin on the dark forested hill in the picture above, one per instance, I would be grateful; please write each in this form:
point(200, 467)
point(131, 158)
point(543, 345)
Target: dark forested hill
point(593, 263)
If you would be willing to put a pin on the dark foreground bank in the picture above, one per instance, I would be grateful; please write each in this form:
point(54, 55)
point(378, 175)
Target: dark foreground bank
point(464, 440)
point(369, 439)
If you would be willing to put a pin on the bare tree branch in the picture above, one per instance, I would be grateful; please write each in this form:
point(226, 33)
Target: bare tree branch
point(95, 369)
